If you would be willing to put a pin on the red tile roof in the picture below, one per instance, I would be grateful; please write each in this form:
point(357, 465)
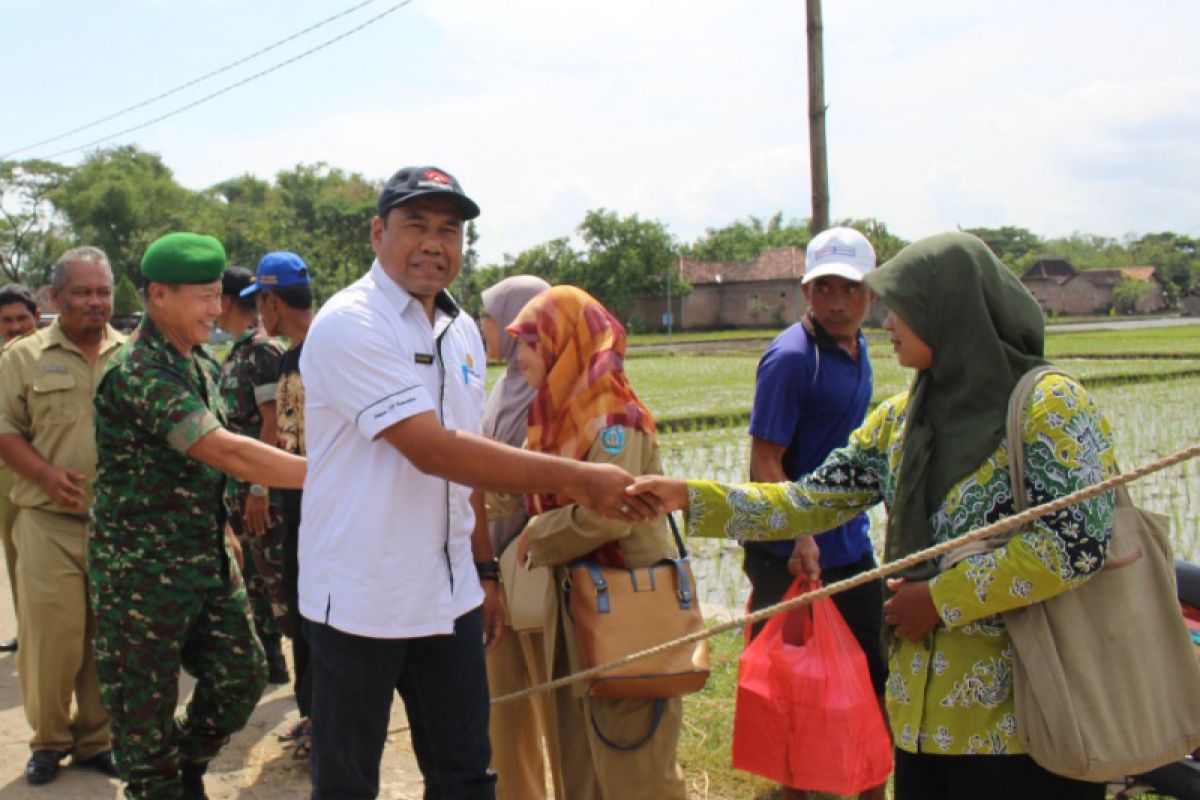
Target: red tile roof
point(785, 263)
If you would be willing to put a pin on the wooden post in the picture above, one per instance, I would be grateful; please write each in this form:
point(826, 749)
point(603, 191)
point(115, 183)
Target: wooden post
point(816, 119)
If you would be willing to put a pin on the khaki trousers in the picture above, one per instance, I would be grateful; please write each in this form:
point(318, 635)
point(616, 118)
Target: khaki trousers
point(517, 729)
point(56, 661)
point(8, 515)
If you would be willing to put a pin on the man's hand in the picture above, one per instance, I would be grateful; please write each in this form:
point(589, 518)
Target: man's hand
point(65, 486)
point(235, 546)
point(663, 494)
point(601, 487)
point(805, 559)
point(257, 514)
point(493, 615)
point(910, 610)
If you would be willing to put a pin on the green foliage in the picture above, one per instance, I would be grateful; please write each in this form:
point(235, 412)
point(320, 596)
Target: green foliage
point(126, 299)
point(1127, 293)
point(745, 240)
point(31, 233)
point(121, 199)
point(1176, 257)
point(625, 257)
point(1010, 243)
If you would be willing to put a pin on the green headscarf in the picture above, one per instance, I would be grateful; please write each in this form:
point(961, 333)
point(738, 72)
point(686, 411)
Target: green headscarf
point(985, 331)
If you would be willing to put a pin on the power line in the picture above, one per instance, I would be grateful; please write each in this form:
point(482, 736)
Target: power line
point(201, 79)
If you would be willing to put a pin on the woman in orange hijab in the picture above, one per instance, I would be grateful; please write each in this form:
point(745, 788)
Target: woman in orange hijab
point(573, 353)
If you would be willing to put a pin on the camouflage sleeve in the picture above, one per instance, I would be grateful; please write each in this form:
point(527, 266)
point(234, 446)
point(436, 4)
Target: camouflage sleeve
point(168, 406)
point(264, 370)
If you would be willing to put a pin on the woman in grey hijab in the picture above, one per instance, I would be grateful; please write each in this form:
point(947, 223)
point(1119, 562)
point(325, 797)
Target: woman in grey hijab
point(518, 661)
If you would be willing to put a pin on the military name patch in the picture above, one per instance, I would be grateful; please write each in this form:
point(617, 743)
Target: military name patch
point(56, 368)
point(612, 439)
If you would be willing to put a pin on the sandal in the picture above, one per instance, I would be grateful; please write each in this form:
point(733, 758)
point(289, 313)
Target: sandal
point(301, 728)
point(303, 747)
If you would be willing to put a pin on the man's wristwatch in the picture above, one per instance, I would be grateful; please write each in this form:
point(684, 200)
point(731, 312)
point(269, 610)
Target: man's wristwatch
point(488, 570)
point(258, 490)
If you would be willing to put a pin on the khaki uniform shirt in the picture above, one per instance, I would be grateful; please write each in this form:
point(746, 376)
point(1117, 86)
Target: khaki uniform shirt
point(46, 390)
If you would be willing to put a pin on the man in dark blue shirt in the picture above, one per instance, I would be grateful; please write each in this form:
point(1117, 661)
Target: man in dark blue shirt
point(812, 390)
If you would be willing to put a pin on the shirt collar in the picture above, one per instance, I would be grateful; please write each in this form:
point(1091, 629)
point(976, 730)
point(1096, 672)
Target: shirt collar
point(399, 297)
point(56, 338)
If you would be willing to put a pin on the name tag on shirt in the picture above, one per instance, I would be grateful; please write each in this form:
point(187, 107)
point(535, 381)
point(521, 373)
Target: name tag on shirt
point(423, 358)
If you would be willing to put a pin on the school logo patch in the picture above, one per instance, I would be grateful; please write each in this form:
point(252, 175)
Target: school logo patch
point(612, 439)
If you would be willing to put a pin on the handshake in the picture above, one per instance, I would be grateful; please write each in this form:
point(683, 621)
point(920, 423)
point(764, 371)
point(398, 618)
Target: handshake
point(613, 492)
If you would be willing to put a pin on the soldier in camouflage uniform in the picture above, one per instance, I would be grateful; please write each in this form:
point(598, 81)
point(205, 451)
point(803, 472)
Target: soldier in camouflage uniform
point(247, 384)
point(166, 586)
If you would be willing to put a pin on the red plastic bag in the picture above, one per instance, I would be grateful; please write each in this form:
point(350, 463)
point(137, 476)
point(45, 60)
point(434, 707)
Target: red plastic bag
point(807, 715)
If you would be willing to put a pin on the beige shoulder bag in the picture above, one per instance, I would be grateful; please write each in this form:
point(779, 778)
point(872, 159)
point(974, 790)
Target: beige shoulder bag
point(1105, 680)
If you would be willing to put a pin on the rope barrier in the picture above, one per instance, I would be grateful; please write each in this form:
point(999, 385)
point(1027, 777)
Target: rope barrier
point(1014, 522)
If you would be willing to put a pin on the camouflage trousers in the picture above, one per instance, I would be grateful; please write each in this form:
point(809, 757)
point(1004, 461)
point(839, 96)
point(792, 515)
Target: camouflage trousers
point(263, 571)
point(145, 634)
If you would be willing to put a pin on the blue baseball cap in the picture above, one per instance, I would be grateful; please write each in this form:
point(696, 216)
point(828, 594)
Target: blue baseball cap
point(278, 270)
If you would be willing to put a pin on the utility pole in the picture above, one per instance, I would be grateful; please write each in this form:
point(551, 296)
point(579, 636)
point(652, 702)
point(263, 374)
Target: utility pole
point(816, 119)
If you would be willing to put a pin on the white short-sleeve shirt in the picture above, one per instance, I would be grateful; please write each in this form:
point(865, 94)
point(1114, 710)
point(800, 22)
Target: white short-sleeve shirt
point(385, 550)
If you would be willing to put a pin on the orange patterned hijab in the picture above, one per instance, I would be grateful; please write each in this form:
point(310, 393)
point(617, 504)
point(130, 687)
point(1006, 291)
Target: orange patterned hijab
point(585, 390)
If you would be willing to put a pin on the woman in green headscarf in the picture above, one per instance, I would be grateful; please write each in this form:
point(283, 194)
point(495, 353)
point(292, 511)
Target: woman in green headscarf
point(937, 457)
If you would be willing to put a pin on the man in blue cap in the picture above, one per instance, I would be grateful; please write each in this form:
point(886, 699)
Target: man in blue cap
point(283, 295)
point(247, 383)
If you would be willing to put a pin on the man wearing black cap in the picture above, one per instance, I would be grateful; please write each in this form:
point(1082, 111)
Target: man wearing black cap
point(392, 552)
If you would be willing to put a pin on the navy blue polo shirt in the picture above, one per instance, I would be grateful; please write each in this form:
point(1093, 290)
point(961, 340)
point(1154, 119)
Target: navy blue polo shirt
point(810, 395)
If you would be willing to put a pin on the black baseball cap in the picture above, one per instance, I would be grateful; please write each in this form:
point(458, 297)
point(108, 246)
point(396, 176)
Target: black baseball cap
point(413, 182)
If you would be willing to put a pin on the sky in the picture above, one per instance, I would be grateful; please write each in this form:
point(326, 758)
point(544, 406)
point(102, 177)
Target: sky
point(1073, 115)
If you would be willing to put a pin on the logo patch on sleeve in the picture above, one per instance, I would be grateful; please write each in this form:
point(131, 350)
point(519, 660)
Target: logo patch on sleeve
point(612, 439)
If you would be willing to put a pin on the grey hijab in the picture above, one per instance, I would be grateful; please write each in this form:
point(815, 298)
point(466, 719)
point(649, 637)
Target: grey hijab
point(506, 415)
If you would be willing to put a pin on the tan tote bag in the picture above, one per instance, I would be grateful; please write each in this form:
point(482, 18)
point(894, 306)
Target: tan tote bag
point(1105, 680)
point(525, 591)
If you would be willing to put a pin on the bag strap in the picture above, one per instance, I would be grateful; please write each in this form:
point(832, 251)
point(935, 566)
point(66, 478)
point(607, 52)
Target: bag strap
point(683, 553)
point(1016, 442)
point(660, 707)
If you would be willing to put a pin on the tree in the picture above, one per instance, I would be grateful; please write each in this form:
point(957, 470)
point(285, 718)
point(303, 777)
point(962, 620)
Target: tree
point(121, 199)
point(1127, 293)
point(554, 261)
point(1176, 257)
point(31, 232)
point(1010, 244)
point(746, 240)
point(625, 257)
point(126, 299)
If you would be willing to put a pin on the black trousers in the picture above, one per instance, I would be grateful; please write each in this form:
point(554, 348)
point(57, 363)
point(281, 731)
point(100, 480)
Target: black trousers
point(302, 685)
point(443, 683)
point(923, 776)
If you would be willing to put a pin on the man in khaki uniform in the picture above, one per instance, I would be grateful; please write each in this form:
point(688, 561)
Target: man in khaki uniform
point(18, 317)
point(46, 437)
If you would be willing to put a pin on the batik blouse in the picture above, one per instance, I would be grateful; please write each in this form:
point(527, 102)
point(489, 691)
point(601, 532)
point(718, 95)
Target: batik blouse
point(952, 692)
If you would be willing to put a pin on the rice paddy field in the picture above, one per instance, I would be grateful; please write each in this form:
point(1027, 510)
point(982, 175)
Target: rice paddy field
point(1145, 380)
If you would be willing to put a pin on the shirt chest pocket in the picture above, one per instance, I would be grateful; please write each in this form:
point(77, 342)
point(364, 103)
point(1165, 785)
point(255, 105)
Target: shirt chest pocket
point(50, 402)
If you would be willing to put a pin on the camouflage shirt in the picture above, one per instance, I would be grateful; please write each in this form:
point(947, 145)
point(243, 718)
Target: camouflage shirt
point(247, 380)
point(157, 513)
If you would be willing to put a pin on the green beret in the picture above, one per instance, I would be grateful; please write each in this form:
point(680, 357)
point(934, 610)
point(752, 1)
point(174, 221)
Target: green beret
point(184, 258)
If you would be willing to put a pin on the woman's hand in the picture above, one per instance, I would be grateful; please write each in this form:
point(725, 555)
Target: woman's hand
point(910, 610)
point(661, 493)
point(601, 487)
